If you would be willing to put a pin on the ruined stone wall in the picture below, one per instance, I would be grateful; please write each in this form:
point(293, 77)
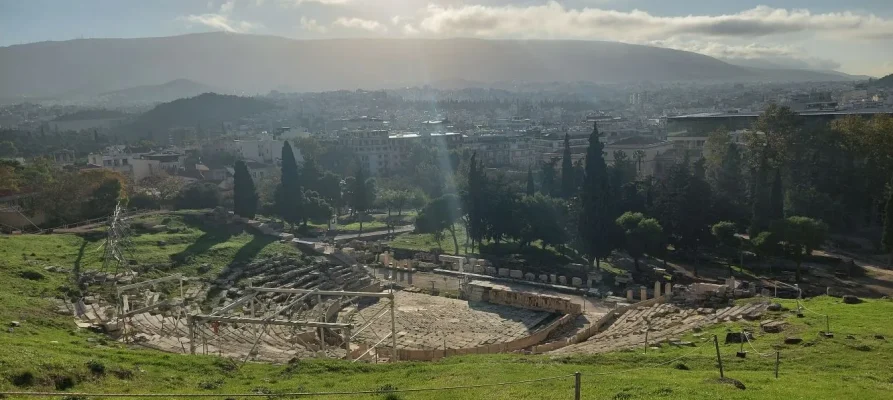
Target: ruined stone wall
point(533, 301)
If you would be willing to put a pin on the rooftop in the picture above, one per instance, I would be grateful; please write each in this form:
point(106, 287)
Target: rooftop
point(636, 140)
point(409, 135)
point(864, 111)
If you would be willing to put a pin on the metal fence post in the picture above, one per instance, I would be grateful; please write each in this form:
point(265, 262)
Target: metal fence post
point(577, 386)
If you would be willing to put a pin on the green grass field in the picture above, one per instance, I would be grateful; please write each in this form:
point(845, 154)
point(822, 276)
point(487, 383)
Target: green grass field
point(47, 352)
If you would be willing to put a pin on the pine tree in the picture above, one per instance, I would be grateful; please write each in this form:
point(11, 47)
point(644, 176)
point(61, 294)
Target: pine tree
point(728, 179)
point(567, 170)
point(776, 198)
point(289, 192)
point(596, 225)
point(531, 190)
point(244, 193)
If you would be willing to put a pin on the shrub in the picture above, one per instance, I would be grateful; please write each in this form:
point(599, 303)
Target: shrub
point(22, 378)
point(63, 382)
point(211, 385)
point(31, 275)
point(122, 373)
point(96, 367)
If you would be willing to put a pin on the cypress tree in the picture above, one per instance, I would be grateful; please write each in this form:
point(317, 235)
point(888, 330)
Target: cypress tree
point(289, 193)
point(475, 202)
point(758, 220)
point(548, 185)
point(360, 193)
point(531, 190)
point(887, 239)
point(596, 214)
point(567, 170)
point(244, 193)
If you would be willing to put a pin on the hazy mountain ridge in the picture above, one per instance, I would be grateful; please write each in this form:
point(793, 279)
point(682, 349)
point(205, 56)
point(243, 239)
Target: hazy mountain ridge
point(789, 67)
point(175, 89)
point(255, 64)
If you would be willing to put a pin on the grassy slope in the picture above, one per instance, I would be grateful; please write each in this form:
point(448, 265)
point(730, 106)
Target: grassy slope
point(48, 346)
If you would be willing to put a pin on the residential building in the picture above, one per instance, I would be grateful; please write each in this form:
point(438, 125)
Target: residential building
point(380, 151)
point(136, 163)
point(643, 151)
point(263, 149)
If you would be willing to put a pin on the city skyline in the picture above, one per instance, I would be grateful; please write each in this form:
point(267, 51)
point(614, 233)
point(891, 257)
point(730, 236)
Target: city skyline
point(853, 38)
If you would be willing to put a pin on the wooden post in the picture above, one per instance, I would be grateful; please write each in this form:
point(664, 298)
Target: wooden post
point(777, 359)
point(191, 334)
point(346, 334)
point(577, 385)
point(718, 357)
point(647, 329)
point(394, 329)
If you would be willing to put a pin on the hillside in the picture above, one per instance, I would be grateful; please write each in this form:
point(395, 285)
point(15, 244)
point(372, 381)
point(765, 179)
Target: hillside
point(207, 110)
point(885, 82)
point(253, 63)
point(46, 352)
point(176, 89)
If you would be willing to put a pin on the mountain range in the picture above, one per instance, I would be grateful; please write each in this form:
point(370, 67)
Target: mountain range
point(249, 64)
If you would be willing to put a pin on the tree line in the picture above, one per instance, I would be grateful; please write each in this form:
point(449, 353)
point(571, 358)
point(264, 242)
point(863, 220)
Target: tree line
point(779, 190)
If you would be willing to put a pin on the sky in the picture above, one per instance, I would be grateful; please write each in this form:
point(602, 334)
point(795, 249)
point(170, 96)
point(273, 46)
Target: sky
point(853, 36)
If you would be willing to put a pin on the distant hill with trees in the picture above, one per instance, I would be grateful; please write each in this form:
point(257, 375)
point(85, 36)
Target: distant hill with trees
point(207, 111)
point(885, 82)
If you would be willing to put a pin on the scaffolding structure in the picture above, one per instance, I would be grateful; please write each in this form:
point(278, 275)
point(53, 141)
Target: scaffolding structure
point(118, 241)
point(328, 338)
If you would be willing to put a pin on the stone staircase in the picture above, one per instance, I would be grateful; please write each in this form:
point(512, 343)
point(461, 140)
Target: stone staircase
point(663, 323)
point(162, 330)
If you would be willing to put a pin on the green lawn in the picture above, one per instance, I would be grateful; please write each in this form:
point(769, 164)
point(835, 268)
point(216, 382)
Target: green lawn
point(820, 368)
point(47, 351)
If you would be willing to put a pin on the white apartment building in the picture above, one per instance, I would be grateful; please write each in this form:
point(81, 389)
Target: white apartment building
point(137, 165)
point(380, 151)
point(264, 149)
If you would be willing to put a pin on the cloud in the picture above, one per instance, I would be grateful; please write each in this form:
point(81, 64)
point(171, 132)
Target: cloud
point(221, 23)
point(553, 20)
point(359, 23)
point(410, 30)
point(227, 7)
point(781, 56)
point(723, 50)
point(295, 3)
point(312, 26)
point(395, 20)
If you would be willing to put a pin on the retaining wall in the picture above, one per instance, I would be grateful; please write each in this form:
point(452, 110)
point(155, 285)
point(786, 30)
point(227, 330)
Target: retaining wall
point(590, 331)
